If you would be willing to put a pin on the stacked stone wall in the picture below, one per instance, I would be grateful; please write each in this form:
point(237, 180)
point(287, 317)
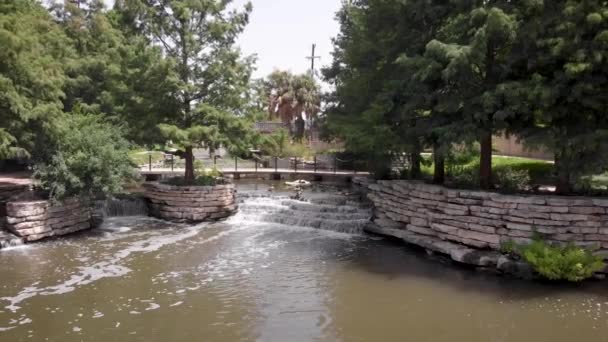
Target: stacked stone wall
point(7, 191)
point(191, 203)
point(484, 220)
point(35, 220)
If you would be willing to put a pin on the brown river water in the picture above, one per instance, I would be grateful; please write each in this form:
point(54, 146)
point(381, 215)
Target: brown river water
point(280, 270)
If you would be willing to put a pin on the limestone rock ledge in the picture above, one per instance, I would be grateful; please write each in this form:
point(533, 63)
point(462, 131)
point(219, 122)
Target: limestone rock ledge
point(35, 220)
point(470, 226)
point(7, 191)
point(190, 203)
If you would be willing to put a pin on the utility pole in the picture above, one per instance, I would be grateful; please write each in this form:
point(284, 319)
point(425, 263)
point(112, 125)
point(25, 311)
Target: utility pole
point(312, 58)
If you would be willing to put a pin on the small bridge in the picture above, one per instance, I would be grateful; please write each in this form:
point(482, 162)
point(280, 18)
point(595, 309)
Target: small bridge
point(270, 173)
point(318, 168)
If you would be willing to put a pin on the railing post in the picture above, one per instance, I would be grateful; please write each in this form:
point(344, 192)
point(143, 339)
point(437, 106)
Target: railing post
point(256, 166)
point(276, 163)
point(315, 163)
point(236, 164)
point(295, 164)
point(172, 162)
point(335, 164)
point(149, 162)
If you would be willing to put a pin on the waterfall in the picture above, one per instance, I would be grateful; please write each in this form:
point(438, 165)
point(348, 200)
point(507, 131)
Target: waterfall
point(9, 240)
point(336, 215)
point(118, 207)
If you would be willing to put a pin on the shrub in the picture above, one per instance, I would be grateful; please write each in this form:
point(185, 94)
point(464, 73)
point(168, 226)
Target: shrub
point(203, 177)
point(87, 157)
point(569, 262)
point(202, 180)
point(464, 177)
point(509, 247)
point(512, 180)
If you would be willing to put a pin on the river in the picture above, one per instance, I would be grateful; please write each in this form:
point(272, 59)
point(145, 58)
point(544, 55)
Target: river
point(280, 270)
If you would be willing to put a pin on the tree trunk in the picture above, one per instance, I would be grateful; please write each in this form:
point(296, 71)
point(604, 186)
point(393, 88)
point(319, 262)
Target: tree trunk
point(485, 161)
point(439, 161)
point(563, 185)
point(189, 156)
point(415, 161)
point(300, 126)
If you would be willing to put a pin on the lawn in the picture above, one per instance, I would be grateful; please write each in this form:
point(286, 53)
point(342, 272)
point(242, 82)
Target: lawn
point(142, 157)
point(540, 171)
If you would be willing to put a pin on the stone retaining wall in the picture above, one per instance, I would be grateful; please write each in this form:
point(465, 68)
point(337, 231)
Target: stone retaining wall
point(484, 220)
point(7, 191)
point(191, 203)
point(35, 220)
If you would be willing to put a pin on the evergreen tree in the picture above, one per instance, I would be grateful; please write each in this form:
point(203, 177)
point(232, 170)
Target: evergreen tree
point(379, 102)
point(115, 72)
point(199, 37)
point(31, 75)
point(478, 71)
point(568, 85)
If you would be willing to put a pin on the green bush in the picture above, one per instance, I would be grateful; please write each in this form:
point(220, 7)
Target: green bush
point(202, 180)
point(569, 262)
point(539, 171)
point(463, 177)
point(86, 157)
point(512, 180)
point(509, 247)
point(203, 177)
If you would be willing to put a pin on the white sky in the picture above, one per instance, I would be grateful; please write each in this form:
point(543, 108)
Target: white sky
point(281, 32)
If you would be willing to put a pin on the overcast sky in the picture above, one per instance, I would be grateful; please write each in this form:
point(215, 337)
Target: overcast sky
point(281, 32)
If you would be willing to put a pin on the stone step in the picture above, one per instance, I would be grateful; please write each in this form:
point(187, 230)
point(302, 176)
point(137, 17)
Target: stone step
point(455, 251)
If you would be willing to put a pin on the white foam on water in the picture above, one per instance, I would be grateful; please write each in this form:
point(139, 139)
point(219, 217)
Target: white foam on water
point(17, 248)
point(110, 268)
point(152, 306)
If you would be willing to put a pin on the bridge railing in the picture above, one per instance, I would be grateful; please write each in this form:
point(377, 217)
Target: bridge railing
point(317, 163)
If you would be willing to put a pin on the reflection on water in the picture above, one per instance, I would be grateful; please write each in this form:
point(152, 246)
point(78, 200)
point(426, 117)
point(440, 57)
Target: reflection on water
point(278, 271)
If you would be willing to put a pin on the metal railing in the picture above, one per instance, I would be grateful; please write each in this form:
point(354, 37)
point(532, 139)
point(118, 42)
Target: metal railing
point(315, 164)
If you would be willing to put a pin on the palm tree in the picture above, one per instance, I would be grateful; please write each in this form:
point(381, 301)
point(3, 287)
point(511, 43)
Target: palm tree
point(292, 97)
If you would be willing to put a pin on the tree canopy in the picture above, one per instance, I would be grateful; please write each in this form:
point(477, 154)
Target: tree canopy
point(292, 98)
point(211, 76)
point(418, 74)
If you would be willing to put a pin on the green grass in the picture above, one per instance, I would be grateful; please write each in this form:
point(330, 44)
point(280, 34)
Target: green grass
point(600, 181)
point(141, 156)
point(540, 171)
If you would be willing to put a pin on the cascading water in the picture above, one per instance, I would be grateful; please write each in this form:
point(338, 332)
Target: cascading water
point(9, 240)
point(120, 207)
point(334, 214)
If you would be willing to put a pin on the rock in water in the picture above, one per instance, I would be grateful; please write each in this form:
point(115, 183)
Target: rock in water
point(299, 182)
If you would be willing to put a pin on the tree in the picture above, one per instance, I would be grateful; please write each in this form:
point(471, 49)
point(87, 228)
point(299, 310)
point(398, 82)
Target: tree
point(114, 71)
point(478, 70)
point(31, 75)
point(199, 37)
point(379, 99)
point(291, 97)
point(568, 83)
